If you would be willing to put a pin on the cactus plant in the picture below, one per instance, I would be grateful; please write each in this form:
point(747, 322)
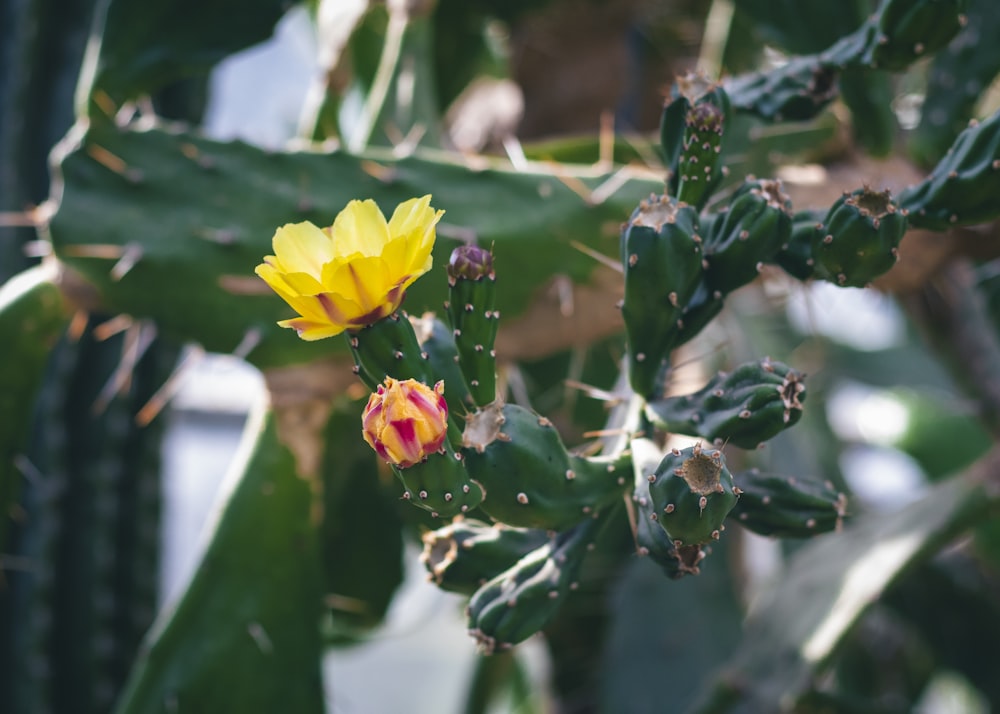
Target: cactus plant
point(449, 423)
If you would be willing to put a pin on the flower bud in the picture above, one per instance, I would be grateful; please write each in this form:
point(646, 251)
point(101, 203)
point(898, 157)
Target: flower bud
point(405, 421)
point(470, 262)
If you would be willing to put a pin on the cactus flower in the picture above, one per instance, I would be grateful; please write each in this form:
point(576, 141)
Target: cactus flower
point(353, 273)
point(405, 421)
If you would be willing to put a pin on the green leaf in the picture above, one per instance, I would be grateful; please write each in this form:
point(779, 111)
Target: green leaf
point(244, 636)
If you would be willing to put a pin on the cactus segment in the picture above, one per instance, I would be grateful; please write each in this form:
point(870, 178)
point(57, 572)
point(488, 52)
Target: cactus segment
point(745, 407)
point(796, 256)
point(531, 481)
point(908, 30)
point(465, 554)
point(441, 484)
point(691, 493)
point(661, 255)
point(962, 188)
point(957, 76)
point(438, 343)
point(474, 319)
point(796, 91)
point(692, 126)
point(246, 624)
point(522, 600)
point(755, 226)
point(389, 348)
point(858, 239)
point(32, 316)
point(651, 540)
point(787, 507)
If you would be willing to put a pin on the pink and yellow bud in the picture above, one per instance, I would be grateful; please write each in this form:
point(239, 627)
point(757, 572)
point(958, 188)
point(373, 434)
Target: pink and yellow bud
point(405, 421)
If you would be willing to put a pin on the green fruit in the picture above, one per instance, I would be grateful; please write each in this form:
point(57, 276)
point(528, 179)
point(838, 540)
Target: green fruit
point(691, 493)
point(858, 239)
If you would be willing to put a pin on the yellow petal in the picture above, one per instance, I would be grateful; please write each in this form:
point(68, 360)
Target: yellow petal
point(303, 283)
point(311, 331)
point(407, 258)
point(366, 281)
point(359, 228)
point(413, 222)
point(302, 248)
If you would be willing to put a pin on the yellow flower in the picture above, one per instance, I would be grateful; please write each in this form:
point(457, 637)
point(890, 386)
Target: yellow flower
point(353, 273)
point(405, 422)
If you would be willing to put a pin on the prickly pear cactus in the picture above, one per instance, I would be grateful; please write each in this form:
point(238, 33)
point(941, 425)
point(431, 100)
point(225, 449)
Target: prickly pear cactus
point(370, 244)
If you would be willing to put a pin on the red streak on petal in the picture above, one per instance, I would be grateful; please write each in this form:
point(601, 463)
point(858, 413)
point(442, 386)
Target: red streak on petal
point(335, 315)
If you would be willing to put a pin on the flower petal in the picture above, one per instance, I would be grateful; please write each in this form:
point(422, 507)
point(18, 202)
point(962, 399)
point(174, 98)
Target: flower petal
point(365, 281)
point(302, 248)
point(359, 228)
point(311, 331)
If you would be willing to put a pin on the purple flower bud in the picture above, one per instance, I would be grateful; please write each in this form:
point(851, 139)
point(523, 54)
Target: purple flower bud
point(470, 262)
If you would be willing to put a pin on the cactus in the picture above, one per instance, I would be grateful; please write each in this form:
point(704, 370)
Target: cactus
point(692, 127)
point(958, 190)
point(530, 480)
point(691, 493)
point(463, 555)
point(521, 600)
point(661, 254)
point(787, 507)
point(754, 227)
point(471, 303)
point(676, 560)
point(745, 407)
point(858, 239)
point(164, 226)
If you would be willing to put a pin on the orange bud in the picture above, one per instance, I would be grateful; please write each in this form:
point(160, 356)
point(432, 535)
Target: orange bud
point(405, 421)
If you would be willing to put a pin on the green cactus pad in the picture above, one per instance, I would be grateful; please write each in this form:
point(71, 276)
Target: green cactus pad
point(787, 507)
point(755, 225)
point(246, 625)
point(464, 555)
point(962, 188)
point(168, 225)
point(474, 319)
point(796, 256)
point(441, 484)
point(692, 126)
point(744, 408)
point(858, 239)
point(531, 481)
point(908, 30)
point(691, 493)
point(661, 254)
point(956, 78)
point(795, 91)
point(438, 343)
point(650, 540)
point(389, 348)
point(522, 600)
